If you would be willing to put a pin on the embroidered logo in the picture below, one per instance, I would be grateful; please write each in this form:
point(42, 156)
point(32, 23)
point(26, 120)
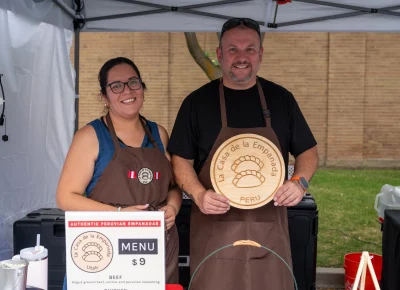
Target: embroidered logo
point(145, 176)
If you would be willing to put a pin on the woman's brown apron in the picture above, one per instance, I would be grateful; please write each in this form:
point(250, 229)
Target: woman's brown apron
point(242, 267)
point(139, 176)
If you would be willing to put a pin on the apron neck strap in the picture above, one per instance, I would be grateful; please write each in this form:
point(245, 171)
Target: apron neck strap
point(112, 131)
point(146, 130)
point(265, 111)
point(222, 104)
point(114, 135)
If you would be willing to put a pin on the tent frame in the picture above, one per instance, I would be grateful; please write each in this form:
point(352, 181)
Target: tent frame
point(359, 11)
point(164, 8)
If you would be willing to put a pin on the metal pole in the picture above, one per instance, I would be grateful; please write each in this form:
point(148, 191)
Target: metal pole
point(65, 8)
point(76, 66)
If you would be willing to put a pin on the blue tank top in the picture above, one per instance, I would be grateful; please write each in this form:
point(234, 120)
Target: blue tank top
point(106, 148)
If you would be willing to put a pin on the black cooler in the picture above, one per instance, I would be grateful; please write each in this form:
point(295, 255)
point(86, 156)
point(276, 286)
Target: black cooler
point(49, 223)
point(303, 230)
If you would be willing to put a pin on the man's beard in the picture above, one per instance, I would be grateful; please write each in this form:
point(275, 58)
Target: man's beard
point(241, 80)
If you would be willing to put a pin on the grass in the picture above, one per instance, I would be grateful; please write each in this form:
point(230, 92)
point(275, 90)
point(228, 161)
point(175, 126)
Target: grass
point(347, 219)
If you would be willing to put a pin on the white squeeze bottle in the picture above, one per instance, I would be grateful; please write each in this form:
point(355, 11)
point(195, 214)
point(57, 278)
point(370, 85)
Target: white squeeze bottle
point(38, 264)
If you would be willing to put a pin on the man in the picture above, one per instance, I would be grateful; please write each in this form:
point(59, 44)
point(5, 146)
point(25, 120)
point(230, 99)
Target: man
point(209, 116)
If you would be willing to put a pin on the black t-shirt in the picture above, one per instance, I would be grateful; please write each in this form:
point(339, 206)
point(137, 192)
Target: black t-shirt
point(199, 120)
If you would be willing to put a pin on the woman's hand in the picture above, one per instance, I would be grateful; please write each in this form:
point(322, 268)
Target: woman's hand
point(169, 215)
point(136, 208)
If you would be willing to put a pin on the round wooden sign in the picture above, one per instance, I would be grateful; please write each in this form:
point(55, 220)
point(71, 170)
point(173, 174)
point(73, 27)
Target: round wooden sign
point(247, 169)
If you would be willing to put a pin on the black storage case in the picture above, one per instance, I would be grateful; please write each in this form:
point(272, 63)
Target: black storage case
point(182, 222)
point(50, 224)
point(303, 230)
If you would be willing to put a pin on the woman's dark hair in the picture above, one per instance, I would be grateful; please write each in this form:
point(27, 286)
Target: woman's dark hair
point(103, 74)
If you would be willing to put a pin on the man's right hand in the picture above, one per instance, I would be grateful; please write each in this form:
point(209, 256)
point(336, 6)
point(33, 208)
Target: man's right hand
point(211, 202)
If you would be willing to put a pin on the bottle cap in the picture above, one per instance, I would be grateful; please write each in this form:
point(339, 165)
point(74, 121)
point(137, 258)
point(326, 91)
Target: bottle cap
point(36, 253)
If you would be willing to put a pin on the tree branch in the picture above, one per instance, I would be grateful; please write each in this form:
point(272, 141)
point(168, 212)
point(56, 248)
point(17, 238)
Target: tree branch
point(212, 71)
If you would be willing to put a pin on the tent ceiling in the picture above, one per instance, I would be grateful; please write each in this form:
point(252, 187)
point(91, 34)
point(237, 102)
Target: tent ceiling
point(191, 15)
point(342, 15)
point(208, 15)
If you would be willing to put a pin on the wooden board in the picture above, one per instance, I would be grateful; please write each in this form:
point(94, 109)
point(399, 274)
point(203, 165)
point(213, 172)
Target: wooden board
point(248, 169)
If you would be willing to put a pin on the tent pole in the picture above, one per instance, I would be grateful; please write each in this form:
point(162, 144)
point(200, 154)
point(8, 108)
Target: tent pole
point(65, 8)
point(360, 11)
point(77, 29)
point(163, 8)
point(384, 10)
point(310, 20)
point(76, 66)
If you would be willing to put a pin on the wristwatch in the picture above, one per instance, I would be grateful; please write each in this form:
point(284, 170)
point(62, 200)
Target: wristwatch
point(302, 181)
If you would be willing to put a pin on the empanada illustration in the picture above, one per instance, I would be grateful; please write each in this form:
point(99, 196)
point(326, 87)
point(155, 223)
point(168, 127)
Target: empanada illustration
point(248, 178)
point(247, 162)
point(91, 246)
point(92, 256)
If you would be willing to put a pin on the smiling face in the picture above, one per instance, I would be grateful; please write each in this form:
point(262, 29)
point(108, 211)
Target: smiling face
point(128, 103)
point(240, 56)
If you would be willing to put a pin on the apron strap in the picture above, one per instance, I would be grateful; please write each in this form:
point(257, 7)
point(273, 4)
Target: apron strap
point(148, 133)
point(265, 111)
point(222, 104)
point(114, 137)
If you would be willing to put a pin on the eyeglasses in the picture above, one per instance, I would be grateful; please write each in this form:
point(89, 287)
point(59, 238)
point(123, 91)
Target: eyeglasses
point(119, 87)
point(235, 22)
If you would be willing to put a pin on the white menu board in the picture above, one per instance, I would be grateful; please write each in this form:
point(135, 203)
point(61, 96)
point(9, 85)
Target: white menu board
point(115, 250)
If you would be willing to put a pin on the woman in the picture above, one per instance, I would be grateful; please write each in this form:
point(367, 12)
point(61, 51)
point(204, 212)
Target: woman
point(119, 162)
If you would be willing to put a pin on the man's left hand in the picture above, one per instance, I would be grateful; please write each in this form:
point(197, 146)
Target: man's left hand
point(289, 194)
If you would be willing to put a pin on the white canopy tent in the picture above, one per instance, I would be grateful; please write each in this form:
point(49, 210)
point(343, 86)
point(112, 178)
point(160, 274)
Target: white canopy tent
point(40, 85)
point(208, 15)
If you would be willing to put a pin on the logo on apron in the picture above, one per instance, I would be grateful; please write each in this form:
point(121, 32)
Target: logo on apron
point(145, 176)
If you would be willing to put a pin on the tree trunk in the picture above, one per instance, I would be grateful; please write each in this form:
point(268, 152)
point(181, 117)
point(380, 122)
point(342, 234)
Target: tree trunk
point(212, 71)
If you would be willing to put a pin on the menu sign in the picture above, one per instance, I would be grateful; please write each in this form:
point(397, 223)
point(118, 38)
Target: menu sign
point(115, 250)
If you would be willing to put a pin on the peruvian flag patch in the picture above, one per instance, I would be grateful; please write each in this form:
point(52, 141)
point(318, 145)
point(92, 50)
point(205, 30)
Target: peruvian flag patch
point(157, 175)
point(132, 174)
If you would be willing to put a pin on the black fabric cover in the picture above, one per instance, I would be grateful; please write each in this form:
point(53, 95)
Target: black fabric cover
point(391, 251)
